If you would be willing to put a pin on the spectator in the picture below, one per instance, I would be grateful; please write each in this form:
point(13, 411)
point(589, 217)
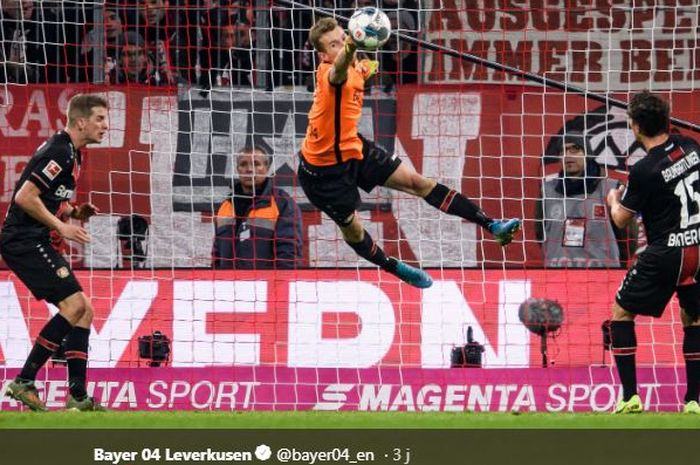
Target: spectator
point(30, 44)
point(72, 17)
point(135, 65)
point(171, 38)
point(260, 226)
point(283, 41)
point(241, 10)
point(232, 60)
point(111, 41)
point(573, 225)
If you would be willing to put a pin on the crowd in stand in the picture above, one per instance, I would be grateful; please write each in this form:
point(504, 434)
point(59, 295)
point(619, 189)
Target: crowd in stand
point(203, 43)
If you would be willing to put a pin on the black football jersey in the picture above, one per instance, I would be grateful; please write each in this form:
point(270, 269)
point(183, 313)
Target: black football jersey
point(664, 187)
point(54, 169)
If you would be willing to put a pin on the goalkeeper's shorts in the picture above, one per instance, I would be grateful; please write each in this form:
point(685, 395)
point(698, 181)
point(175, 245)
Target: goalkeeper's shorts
point(334, 189)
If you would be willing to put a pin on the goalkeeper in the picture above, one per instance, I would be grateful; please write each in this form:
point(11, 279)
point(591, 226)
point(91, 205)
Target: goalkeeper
point(335, 159)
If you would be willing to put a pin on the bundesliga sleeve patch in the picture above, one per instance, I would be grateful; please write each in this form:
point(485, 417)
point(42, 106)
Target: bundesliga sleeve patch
point(52, 170)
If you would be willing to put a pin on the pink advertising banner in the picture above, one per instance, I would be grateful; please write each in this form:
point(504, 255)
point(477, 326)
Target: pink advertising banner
point(593, 389)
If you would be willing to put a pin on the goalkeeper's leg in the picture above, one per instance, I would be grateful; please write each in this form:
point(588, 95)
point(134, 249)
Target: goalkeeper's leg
point(451, 202)
point(362, 243)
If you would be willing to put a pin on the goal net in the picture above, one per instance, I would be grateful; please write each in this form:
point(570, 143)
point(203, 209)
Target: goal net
point(191, 84)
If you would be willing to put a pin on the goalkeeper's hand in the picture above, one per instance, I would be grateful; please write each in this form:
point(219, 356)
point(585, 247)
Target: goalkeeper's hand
point(368, 68)
point(350, 45)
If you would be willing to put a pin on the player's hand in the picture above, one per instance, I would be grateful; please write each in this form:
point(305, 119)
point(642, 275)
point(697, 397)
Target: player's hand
point(614, 195)
point(350, 45)
point(369, 68)
point(84, 211)
point(73, 232)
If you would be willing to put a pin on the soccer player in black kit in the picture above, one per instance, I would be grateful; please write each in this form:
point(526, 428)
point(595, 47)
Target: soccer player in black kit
point(664, 187)
point(43, 192)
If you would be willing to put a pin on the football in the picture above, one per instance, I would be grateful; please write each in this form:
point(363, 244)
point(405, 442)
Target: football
point(369, 28)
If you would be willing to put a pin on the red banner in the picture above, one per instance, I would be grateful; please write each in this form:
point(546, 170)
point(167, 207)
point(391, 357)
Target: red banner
point(331, 318)
point(489, 141)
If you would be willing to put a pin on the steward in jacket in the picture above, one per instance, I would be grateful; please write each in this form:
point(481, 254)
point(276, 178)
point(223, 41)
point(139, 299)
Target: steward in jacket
point(260, 226)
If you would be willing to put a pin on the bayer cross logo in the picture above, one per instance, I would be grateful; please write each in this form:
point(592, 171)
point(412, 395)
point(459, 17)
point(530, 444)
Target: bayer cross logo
point(611, 141)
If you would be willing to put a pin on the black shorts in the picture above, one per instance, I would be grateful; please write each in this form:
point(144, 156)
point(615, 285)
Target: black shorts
point(333, 189)
point(43, 270)
point(659, 272)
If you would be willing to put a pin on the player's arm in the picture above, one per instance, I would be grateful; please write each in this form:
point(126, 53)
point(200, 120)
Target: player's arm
point(626, 201)
point(339, 71)
point(28, 199)
point(620, 215)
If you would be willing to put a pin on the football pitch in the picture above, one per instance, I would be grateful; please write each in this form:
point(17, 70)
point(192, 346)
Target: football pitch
point(342, 420)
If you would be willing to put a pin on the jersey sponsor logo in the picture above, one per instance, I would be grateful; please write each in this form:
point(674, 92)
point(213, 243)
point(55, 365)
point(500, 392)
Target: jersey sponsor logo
point(63, 272)
point(63, 193)
point(52, 170)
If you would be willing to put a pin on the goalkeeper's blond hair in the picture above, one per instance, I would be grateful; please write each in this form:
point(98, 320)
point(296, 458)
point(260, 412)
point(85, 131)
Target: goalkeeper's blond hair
point(321, 27)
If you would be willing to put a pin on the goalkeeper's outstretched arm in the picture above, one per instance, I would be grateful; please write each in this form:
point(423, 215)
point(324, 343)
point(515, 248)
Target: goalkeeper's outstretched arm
point(339, 72)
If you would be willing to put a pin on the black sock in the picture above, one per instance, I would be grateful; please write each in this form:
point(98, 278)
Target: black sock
point(76, 356)
point(691, 352)
point(46, 343)
point(370, 251)
point(452, 202)
point(624, 348)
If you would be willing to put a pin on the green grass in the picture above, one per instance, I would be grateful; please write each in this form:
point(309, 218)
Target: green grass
point(326, 420)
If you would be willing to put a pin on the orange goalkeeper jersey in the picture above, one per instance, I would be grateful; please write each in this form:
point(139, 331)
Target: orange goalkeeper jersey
point(331, 136)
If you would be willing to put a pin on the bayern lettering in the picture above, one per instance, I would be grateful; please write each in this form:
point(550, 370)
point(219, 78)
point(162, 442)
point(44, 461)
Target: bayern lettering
point(246, 347)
